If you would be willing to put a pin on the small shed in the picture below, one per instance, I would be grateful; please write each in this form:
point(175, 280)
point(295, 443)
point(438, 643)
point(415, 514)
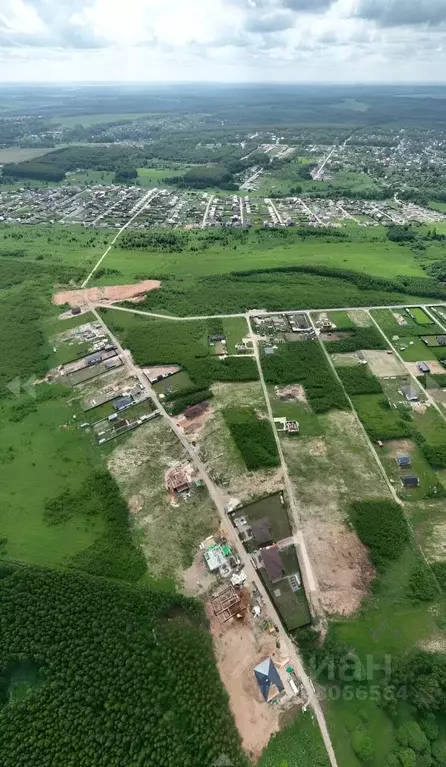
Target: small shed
point(76, 310)
point(411, 481)
point(403, 460)
point(423, 367)
point(441, 340)
point(268, 679)
point(269, 350)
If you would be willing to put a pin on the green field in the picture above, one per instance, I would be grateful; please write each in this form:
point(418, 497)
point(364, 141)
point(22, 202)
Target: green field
point(155, 176)
point(40, 457)
point(377, 259)
point(20, 154)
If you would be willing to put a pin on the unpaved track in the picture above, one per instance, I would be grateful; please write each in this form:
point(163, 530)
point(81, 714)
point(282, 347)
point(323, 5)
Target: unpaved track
point(219, 500)
point(144, 204)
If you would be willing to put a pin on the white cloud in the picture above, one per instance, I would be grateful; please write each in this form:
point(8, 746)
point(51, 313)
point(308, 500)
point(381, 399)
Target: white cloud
point(223, 39)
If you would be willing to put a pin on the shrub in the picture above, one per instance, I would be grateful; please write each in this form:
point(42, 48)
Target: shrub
point(362, 746)
point(182, 403)
point(439, 569)
point(379, 420)
point(412, 736)
point(422, 586)
point(429, 725)
point(361, 338)
point(253, 436)
point(382, 527)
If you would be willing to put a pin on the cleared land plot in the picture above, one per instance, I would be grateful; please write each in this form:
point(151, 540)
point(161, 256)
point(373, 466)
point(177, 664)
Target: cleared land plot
point(393, 390)
point(239, 647)
point(111, 293)
point(383, 364)
point(397, 322)
point(346, 360)
point(360, 318)
point(219, 452)
point(378, 417)
point(169, 533)
point(435, 366)
point(415, 350)
point(328, 472)
point(71, 245)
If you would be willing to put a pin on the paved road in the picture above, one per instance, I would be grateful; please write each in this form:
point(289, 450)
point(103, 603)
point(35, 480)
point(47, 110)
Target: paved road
point(219, 499)
point(144, 203)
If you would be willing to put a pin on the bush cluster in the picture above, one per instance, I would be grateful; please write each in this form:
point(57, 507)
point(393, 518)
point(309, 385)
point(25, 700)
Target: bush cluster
point(359, 380)
point(253, 436)
point(382, 527)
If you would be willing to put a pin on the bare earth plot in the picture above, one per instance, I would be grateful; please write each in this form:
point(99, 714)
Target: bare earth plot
point(435, 366)
point(360, 317)
point(383, 364)
point(328, 473)
point(168, 531)
point(108, 293)
point(219, 452)
point(239, 647)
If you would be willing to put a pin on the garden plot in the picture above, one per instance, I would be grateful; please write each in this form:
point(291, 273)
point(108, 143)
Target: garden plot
point(383, 364)
point(328, 472)
point(169, 531)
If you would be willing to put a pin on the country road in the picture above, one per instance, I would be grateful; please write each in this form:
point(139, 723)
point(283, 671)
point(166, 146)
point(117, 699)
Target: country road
point(220, 499)
point(142, 205)
point(259, 312)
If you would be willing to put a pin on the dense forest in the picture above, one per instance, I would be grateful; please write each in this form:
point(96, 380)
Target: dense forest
point(97, 674)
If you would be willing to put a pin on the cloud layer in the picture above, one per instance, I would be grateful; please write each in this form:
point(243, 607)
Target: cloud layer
point(327, 40)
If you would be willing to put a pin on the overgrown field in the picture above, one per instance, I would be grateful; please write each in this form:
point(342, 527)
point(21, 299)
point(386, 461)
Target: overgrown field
point(305, 363)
